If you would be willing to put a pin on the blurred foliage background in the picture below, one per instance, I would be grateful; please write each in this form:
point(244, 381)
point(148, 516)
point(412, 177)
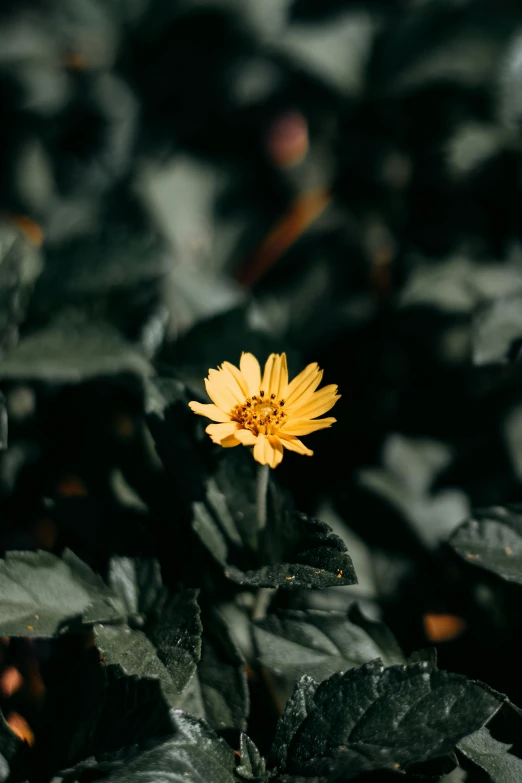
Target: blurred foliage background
point(183, 180)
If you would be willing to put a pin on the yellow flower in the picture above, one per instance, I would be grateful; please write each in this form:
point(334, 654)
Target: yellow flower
point(267, 413)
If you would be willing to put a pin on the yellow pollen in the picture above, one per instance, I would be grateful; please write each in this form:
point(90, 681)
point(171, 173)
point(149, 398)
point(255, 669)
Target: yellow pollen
point(258, 414)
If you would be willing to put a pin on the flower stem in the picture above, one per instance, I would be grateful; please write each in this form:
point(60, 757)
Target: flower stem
point(263, 473)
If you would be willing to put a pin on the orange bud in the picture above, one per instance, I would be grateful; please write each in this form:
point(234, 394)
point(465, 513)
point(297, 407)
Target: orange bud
point(10, 681)
point(20, 727)
point(443, 627)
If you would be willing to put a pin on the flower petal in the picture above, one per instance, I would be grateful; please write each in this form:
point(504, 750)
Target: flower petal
point(292, 443)
point(219, 391)
point(268, 450)
point(218, 432)
point(317, 404)
point(303, 385)
point(230, 442)
point(239, 379)
point(275, 377)
point(210, 411)
point(251, 370)
point(305, 426)
point(282, 381)
point(246, 437)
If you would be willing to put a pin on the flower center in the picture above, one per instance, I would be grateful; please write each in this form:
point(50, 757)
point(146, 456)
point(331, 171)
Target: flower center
point(259, 414)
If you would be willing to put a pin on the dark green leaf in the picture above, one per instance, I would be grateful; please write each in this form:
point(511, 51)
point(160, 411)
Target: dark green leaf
point(134, 652)
point(493, 540)
point(45, 595)
point(492, 756)
point(298, 706)
point(194, 753)
point(219, 691)
point(320, 643)
point(372, 718)
point(164, 637)
point(309, 555)
point(109, 711)
point(176, 634)
point(292, 551)
point(252, 765)
point(137, 583)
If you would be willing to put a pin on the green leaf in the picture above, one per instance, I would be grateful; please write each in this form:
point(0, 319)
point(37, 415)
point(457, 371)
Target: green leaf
point(109, 711)
point(492, 756)
point(320, 643)
point(297, 709)
point(44, 595)
point(375, 718)
point(203, 675)
point(219, 691)
point(410, 469)
point(292, 551)
point(194, 753)
point(497, 327)
point(176, 634)
point(71, 349)
point(167, 642)
point(252, 766)
point(137, 582)
point(135, 653)
point(493, 540)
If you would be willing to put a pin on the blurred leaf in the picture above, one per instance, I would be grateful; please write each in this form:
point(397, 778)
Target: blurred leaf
point(72, 349)
point(371, 718)
point(458, 284)
point(493, 540)
point(334, 51)
point(219, 691)
point(492, 756)
point(317, 643)
point(497, 331)
point(20, 265)
point(411, 467)
point(10, 745)
point(44, 595)
point(3, 423)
